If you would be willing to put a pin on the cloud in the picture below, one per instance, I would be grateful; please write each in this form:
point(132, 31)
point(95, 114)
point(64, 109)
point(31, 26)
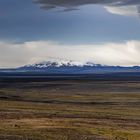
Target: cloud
point(70, 3)
point(13, 55)
point(121, 7)
point(123, 10)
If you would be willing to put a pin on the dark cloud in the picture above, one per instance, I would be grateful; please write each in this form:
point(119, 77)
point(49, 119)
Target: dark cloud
point(73, 4)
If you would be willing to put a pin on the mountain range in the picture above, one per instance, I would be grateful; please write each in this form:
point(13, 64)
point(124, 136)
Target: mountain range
point(72, 67)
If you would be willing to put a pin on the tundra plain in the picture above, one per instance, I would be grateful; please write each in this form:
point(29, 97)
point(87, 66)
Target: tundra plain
point(72, 109)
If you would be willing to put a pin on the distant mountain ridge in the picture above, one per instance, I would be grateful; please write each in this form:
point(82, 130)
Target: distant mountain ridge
point(73, 67)
point(69, 67)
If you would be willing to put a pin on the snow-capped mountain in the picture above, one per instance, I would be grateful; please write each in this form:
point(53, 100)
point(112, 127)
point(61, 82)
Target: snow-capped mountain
point(73, 67)
point(47, 64)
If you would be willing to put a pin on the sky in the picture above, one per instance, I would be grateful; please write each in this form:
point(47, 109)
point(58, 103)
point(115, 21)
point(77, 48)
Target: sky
point(104, 31)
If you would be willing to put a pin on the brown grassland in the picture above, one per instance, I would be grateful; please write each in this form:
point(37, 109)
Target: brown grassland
point(70, 110)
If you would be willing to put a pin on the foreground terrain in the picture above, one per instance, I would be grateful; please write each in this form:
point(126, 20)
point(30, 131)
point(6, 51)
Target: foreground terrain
point(70, 110)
